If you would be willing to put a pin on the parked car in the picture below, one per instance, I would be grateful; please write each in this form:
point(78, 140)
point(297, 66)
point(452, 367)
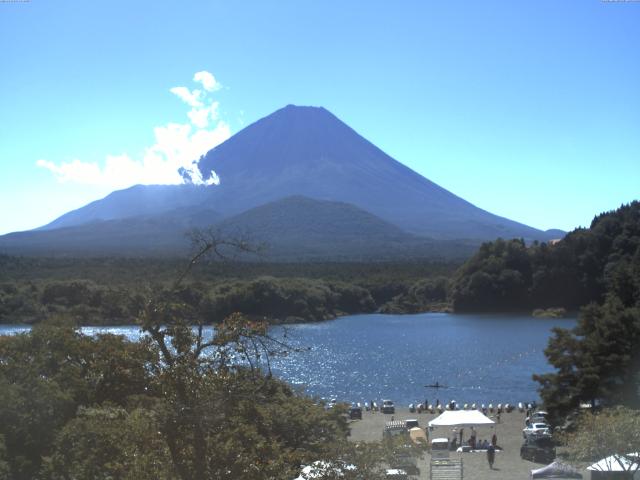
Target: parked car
point(411, 423)
point(536, 429)
point(355, 412)
point(537, 417)
point(396, 474)
point(539, 450)
point(439, 448)
point(388, 406)
point(331, 403)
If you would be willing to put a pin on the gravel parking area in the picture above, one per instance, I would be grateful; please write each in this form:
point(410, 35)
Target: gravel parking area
point(508, 464)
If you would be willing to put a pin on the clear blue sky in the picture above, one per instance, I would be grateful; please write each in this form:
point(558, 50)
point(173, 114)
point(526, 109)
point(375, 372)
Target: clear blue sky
point(530, 110)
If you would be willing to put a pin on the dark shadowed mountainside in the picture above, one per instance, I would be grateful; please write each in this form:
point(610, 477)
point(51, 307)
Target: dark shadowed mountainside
point(291, 229)
point(301, 228)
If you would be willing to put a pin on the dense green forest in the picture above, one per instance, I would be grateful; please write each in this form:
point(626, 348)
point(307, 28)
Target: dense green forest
point(596, 270)
point(113, 290)
point(579, 269)
point(598, 362)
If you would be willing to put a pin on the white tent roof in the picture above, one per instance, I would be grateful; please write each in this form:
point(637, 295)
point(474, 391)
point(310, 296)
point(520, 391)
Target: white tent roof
point(556, 470)
point(617, 463)
point(462, 418)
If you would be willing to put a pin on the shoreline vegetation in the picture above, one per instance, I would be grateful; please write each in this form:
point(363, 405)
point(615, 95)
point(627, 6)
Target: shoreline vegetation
point(550, 313)
point(112, 291)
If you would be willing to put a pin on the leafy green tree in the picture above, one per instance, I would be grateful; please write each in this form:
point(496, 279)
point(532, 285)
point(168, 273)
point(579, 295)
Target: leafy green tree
point(108, 443)
point(597, 362)
point(45, 375)
point(610, 435)
point(427, 294)
point(5, 470)
point(497, 278)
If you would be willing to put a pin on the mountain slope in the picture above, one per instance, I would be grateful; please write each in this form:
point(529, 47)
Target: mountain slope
point(294, 228)
point(132, 202)
point(166, 233)
point(302, 228)
point(308, 151)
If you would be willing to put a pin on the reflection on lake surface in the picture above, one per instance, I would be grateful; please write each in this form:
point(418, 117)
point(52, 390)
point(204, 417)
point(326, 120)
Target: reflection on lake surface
point(481, 358)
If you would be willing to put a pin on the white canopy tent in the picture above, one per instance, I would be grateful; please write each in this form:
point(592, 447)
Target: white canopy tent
point(461, 418)
point(556, 470)
point(618, 463)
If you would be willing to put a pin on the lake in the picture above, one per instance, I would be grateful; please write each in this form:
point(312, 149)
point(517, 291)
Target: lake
point(480, 358)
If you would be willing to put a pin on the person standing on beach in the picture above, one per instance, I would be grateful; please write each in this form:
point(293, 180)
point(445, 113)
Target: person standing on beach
point(494, 440)
point(491, 455)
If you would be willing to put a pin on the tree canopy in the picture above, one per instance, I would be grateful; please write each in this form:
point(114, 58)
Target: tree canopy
point(579, 269)
point(180, 404)
point(598, 361)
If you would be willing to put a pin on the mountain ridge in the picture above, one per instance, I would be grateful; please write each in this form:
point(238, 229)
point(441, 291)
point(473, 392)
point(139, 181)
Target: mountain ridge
point(305, 152)
point(295, 228)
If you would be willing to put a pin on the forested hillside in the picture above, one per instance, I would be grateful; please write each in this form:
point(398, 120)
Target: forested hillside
point(111, 291)
point(579, 269)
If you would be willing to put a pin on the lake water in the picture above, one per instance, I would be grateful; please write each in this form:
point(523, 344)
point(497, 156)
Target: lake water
point(480, 358)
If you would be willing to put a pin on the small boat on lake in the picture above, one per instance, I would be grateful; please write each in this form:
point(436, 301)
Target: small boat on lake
point(435, 385)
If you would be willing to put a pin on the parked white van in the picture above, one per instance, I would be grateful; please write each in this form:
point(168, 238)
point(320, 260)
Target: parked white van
point(439, 448)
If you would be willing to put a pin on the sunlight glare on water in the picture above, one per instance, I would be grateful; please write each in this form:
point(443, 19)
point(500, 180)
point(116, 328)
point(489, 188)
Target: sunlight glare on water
point(480, 358)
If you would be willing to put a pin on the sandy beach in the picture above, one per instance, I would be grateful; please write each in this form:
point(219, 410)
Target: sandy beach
point(508, 464)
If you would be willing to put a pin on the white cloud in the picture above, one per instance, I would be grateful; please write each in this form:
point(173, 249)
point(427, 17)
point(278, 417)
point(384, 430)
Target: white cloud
point(200, 117)
point(75, 171)
point(191, 98)
point(177, 147)
point(207, 80)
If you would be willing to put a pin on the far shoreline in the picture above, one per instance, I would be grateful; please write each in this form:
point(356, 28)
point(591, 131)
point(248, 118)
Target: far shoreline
point(569, 315)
